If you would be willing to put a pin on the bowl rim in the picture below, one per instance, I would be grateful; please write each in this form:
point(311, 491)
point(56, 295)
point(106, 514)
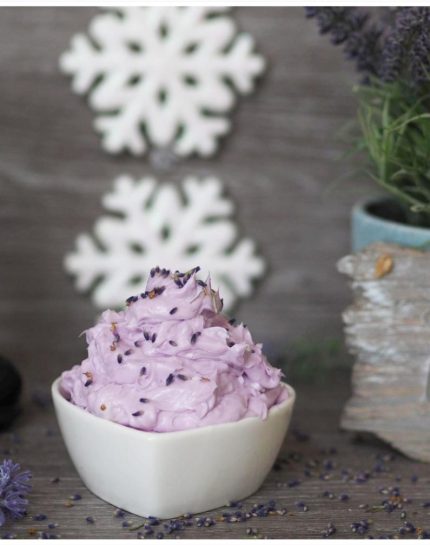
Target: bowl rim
point(162, 436)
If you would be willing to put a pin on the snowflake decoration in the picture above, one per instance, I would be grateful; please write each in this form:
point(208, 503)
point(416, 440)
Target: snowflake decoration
point(174, 228)
point(167, 76)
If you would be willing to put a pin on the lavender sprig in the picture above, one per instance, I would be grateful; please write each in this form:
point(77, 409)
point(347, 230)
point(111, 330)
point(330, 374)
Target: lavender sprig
point(14, 487)
point(406, 49)
point(351, 27)
point(395, 47)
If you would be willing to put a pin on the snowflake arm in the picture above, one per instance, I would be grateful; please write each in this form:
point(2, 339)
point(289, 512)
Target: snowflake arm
point(242, 66)
point(129, 197)
point(85, 263)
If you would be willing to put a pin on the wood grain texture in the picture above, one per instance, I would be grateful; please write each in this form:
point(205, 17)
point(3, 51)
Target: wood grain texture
point(328, 461)
point(388, 330)
point(278, 164)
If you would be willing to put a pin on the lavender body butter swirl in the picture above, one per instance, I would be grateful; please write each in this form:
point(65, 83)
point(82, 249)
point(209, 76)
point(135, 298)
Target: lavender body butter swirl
point(171, 361)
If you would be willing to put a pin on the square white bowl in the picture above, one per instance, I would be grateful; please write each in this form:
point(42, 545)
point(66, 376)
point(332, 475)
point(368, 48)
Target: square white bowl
point(169, 474)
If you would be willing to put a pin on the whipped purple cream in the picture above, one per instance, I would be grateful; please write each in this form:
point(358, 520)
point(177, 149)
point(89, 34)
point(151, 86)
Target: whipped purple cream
point(171, 361)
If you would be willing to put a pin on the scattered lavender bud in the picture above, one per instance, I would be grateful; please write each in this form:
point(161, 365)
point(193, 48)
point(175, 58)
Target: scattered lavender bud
point(40, 517)
point(75, 497)
point(331, 530)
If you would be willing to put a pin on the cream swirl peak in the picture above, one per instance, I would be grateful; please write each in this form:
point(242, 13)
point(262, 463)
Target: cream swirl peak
point(171, 361)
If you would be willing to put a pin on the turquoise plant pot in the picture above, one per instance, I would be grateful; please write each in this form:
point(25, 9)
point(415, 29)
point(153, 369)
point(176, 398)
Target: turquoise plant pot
point(379, 220)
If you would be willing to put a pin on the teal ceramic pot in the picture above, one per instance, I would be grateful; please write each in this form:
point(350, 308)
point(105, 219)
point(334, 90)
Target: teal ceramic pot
point(380, 220)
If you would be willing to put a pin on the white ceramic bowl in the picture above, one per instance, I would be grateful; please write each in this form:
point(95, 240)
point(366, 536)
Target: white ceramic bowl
point(171, 473)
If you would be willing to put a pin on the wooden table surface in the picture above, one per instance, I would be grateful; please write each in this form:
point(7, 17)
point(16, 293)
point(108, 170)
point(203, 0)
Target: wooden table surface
point(316, 458)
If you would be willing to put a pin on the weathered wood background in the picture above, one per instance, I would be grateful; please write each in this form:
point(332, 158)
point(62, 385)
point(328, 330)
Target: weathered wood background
point(279, 165)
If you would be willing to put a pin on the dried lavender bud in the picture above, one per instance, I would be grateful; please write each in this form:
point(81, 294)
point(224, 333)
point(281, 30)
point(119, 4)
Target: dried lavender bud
point(14, 488)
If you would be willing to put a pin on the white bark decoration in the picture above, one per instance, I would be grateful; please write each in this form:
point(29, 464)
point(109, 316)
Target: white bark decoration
point(157, 75)
point(388, 330)
point(151, 225)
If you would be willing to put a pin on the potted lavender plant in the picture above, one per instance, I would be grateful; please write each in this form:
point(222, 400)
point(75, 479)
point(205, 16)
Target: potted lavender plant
point(391, 48)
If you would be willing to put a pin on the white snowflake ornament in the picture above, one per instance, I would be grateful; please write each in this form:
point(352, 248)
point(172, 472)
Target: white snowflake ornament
point(174, 228)
point(165, 76)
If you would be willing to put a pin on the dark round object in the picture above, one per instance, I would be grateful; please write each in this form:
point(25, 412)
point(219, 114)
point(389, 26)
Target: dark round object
point(10, 390)
point(10, 383)
point(7, 415)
